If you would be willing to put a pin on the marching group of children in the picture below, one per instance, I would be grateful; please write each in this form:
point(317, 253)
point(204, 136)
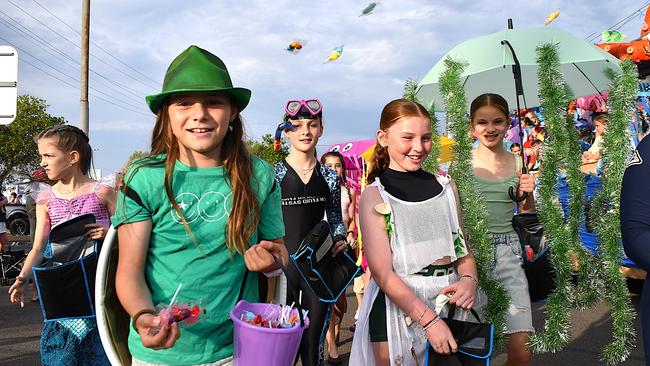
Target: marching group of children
point(201, 210)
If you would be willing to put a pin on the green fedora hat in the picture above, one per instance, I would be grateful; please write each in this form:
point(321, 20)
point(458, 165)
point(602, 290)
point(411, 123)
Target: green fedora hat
point(197, 70)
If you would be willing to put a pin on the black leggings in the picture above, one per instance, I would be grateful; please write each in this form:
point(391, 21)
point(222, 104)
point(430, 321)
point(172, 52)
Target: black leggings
point(311, 351)
point(377, 319)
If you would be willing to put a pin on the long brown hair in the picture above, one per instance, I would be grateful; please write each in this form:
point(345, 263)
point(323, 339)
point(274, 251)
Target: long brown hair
point(245, 213)
point(392, 112)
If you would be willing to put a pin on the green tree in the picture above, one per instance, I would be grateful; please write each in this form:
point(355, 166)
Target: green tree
point(264, 149)
point(18, 150)
point(136, 155)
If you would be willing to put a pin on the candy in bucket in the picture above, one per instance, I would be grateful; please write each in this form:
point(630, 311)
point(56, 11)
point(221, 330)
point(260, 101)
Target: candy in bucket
point(257, 344)
point(274, 317)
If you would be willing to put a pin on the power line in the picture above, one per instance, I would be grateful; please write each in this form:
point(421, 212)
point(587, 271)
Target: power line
point(36, 58)
point(77, 46)
point(74, 87)
point(591, 37)
point(121, 88)
point(71, 85)
point(119, 91)
point(34, 36)
point(69, 76)
point(97, 45)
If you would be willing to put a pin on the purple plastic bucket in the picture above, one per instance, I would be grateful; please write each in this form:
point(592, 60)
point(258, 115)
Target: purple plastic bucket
point(255, 345)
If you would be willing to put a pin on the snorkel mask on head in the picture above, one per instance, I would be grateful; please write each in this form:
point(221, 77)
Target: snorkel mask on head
point(297, 109)
point(303, 109)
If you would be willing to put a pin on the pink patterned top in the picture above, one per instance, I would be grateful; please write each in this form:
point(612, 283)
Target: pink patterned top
point(62, 209)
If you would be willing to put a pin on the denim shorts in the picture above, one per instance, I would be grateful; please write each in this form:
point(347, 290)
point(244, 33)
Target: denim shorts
point(507, 268)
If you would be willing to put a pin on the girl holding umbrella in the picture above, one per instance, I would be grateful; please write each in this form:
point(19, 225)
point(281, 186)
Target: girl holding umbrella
point(496, 170)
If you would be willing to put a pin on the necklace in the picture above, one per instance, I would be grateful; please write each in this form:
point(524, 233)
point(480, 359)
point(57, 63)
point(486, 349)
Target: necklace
point(304, 172)
point(68, 192)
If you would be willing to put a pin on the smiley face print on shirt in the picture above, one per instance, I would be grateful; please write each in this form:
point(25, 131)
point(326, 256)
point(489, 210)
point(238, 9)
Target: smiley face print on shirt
point(210, 207)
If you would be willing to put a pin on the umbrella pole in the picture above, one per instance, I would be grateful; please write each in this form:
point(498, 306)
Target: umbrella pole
point(519, 89)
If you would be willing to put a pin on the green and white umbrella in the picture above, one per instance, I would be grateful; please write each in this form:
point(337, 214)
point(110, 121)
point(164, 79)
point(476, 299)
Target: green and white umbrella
point(489, 66)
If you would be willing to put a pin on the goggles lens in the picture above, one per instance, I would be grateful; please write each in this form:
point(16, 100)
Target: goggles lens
point(312, 106)
point(293, 107)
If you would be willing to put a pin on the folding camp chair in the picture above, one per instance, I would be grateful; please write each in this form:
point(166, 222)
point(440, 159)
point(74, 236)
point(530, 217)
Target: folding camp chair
point(11, 262)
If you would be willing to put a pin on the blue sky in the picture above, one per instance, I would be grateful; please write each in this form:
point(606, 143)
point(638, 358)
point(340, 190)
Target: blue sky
point(138, 40)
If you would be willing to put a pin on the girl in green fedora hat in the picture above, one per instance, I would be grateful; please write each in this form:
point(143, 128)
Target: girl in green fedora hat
point(198, 210)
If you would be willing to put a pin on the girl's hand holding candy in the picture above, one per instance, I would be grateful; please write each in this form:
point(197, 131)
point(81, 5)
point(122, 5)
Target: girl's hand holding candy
point(156, 333)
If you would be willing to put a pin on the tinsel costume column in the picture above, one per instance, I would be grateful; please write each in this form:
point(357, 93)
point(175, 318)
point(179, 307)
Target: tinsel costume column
point(559, 235)
point(562, 234)
point(607, 213)
point(473, 204)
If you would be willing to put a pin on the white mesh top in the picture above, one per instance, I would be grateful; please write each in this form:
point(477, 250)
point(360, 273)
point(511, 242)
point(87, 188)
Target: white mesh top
point(424, 231)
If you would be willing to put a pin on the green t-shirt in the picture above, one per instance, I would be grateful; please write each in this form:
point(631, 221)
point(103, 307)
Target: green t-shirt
point(209, 274)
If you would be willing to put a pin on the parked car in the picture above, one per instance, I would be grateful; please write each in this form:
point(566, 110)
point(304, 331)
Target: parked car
point(17, 220)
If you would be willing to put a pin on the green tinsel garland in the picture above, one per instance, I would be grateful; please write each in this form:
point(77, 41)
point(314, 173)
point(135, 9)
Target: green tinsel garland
point(607, 207)
point(472, 203)
point(590, 286)
point(553, 94)
point(431, 165)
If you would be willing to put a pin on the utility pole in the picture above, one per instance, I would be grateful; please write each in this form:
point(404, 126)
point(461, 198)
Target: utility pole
point(85, 37)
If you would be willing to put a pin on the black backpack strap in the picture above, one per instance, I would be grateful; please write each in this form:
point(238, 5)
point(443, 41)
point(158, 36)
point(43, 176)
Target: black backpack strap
point(452, 312)
point(242, 287)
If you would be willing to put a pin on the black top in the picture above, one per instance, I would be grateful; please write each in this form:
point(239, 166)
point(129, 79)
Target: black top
point(410, 186)
point(304, 205)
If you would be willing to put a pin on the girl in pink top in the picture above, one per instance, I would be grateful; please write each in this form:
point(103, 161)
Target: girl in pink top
point(66, 157)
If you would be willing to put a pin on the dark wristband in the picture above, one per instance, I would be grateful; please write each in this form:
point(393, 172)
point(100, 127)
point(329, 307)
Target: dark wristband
point(139, 313)
point(338, 238)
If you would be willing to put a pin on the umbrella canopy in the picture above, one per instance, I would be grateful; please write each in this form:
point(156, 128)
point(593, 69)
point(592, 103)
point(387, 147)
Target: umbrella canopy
point(489, 66)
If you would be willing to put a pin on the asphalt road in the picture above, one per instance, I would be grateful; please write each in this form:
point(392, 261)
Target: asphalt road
point(591, 330)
